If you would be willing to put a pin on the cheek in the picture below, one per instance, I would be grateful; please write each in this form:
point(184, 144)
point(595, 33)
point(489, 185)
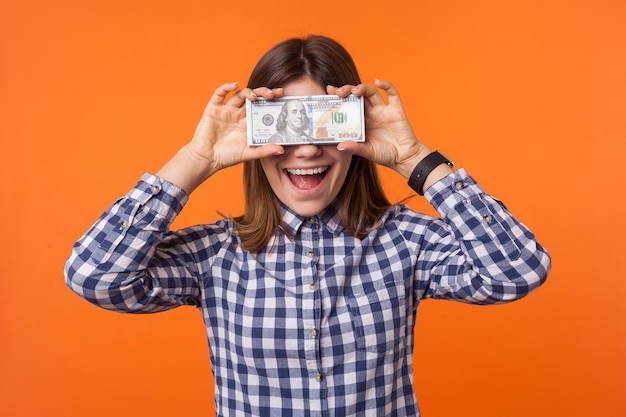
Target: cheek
point(271, 171)
point(344, 166)
point(273, 174)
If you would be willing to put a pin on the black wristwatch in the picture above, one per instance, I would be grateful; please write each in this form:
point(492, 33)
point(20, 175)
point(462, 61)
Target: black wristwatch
point(425, 167)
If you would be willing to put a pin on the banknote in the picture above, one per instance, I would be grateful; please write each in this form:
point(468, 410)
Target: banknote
point(305, 119)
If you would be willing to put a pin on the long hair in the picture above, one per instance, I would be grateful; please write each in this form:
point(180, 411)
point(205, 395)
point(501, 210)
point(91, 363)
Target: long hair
point(363, 201)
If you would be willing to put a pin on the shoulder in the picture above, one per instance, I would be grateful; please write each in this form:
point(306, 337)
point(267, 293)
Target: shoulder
point(211, 235)
point(412, 224)
point(400, 214)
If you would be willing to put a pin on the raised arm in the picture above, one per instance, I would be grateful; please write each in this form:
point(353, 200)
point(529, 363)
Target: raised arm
point(479, 253)
point(129, 260)
point(219, 140)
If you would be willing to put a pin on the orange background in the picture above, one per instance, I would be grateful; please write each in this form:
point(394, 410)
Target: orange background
point(529, 96)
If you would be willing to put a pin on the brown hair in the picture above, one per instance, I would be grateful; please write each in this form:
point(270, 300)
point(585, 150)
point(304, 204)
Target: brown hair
point(363, 201)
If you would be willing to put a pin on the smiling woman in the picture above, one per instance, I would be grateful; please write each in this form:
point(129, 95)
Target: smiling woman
point(309, 298)
point(306, 67)
point(306, 178)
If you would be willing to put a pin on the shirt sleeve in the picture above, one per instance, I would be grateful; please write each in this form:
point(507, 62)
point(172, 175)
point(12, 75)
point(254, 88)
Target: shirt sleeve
point(129, 261)
point(480, 253)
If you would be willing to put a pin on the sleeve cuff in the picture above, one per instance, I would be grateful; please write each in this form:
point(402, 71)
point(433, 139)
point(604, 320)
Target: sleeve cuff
point(158, 195)
point(451, 190)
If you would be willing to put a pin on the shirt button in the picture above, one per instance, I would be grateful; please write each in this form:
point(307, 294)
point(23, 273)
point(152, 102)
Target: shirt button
point(155, 189)
point(314, 331)
point(487, 218)
point(312, 220)
point(124, 225)
point(310, 254)
point(459, 185)
point(319, 377)
point(312, 286)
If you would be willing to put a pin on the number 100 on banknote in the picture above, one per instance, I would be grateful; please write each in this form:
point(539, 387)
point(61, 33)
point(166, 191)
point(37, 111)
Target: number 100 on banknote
point(297, 120)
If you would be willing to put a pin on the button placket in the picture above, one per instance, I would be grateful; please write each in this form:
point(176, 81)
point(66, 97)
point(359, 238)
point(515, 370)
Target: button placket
point(311, 306)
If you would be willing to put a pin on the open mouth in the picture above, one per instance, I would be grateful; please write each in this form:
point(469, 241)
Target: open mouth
point(306, 179)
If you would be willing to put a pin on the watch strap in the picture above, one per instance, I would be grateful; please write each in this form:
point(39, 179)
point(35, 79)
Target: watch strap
point(424, 168)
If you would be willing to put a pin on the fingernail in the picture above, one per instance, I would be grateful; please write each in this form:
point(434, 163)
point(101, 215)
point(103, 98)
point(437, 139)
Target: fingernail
point(339, 90)
point(252, 95)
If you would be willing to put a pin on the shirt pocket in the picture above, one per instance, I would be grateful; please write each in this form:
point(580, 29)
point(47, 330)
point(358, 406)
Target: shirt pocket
point(379, 316)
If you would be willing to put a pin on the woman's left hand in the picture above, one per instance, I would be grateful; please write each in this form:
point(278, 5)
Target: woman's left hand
point(390, 140)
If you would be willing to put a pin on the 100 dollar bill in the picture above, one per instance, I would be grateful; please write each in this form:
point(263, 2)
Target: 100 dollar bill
point(305, 119)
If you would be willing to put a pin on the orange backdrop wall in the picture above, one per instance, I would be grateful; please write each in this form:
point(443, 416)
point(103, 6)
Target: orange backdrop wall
point(529, 96)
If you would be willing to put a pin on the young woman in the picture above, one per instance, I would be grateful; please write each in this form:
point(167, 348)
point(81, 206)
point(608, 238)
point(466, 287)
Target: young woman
point(309, 298)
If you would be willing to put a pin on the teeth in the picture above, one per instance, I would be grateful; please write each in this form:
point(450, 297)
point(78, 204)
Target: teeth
point(312, 171)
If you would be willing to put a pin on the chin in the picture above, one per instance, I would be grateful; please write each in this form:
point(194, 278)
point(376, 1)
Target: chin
point(308, 210)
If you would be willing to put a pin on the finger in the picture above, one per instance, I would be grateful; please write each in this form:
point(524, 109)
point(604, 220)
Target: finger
point(221, 92)
point(343, 91)
point(356, 148)
point(268, 93)
point(239, 98)
point(390, 91)
point(265, 151)
point(372, 96)
point(278, 92)
point(358, 90)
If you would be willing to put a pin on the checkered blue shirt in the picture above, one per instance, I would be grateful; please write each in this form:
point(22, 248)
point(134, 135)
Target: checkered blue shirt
point(321, 325)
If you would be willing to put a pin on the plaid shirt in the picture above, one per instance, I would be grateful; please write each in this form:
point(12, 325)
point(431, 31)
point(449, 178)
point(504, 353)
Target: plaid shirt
point(321, 325)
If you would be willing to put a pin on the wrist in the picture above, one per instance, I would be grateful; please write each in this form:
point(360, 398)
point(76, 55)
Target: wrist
point(187, 169)
point(429, 170)
point(407, 166)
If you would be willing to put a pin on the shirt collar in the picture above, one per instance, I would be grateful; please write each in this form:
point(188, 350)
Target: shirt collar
point(329, 218)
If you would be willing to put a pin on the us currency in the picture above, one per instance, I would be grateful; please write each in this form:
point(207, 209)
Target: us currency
point(297, 120)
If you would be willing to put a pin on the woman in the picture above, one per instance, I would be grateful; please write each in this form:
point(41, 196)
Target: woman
point(308, 298)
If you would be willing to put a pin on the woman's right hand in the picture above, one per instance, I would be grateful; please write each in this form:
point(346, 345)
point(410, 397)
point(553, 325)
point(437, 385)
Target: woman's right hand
point(220, 139)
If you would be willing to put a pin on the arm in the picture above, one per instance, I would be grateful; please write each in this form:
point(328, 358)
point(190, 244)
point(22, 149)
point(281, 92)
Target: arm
point(219, 140)
point(480, 253)
point(129, 260)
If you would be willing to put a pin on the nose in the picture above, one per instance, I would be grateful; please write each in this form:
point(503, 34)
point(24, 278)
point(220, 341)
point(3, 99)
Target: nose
point(307, 151)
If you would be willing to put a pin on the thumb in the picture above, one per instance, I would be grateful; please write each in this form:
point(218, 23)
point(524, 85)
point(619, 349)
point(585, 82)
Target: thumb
point(258, 152)
point(356, 148)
